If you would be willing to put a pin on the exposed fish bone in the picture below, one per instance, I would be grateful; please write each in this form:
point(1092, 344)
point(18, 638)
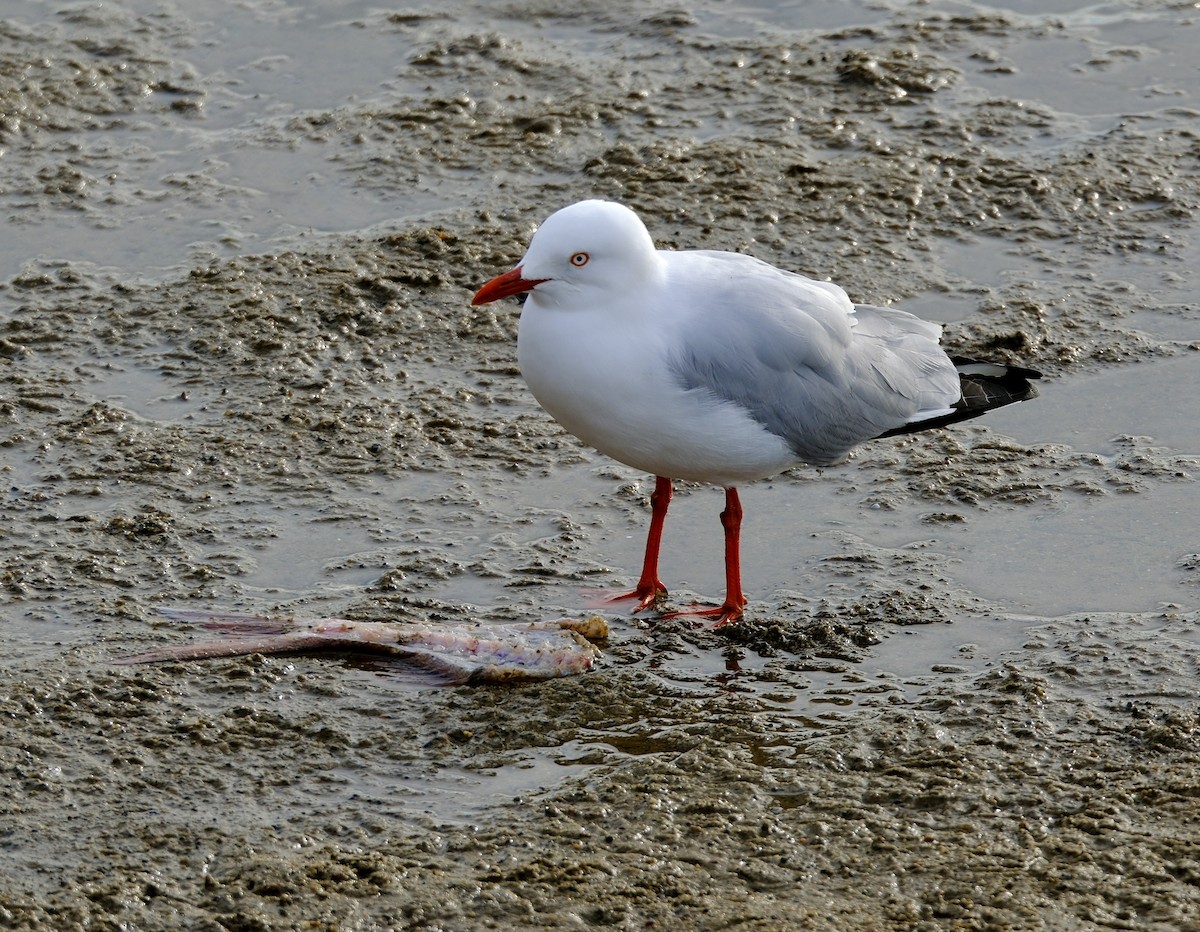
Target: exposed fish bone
point(462, 653)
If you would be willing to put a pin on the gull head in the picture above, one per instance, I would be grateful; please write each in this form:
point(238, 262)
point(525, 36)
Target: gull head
point(588, 252)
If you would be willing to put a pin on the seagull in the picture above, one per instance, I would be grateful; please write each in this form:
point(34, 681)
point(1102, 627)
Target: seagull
point(719, 368)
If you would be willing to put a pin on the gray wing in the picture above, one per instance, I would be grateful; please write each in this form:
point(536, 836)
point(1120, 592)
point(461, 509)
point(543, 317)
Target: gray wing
point(801, 360)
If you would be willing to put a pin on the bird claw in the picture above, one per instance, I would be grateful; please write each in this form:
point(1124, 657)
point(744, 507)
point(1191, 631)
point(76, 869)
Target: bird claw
point(725, 613)
point(646, 597)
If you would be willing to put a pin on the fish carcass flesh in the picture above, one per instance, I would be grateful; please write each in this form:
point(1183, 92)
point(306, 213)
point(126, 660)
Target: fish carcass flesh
point(462, 653)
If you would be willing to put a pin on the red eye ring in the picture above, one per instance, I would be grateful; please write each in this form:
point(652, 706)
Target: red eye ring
point(580, 259)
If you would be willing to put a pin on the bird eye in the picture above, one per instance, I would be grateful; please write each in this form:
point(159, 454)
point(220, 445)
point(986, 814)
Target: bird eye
point(580, 259)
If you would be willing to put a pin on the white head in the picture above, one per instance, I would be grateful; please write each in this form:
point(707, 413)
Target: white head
point(595, 247)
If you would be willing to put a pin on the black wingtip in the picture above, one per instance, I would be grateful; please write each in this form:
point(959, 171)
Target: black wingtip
point(985, 387)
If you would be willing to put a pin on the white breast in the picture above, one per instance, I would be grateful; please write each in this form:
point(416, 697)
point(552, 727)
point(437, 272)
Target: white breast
point(606, 381)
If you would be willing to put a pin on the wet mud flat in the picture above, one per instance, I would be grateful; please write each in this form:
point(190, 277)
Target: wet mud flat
point(238, 369)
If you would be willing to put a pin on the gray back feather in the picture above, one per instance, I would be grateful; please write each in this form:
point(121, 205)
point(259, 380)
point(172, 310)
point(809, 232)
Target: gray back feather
point(785, 349)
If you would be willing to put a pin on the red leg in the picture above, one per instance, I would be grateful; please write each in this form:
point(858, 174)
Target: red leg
point(731, 521)
point(735, 600)
point(649, 587)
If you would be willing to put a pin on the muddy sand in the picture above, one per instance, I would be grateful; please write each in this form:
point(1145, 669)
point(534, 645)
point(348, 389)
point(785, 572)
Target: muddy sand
point(238, 370)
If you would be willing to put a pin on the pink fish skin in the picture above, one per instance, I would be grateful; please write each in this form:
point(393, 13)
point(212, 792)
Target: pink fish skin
point(460, 653)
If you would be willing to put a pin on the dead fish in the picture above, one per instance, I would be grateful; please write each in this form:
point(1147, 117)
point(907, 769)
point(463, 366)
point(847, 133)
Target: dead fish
point(462, 653)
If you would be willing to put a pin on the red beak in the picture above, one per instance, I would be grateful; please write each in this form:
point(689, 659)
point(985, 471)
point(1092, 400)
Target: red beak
point(502, 286)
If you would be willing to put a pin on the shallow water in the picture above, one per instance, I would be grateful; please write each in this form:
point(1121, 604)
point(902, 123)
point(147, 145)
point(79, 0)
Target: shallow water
point(238, 369)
